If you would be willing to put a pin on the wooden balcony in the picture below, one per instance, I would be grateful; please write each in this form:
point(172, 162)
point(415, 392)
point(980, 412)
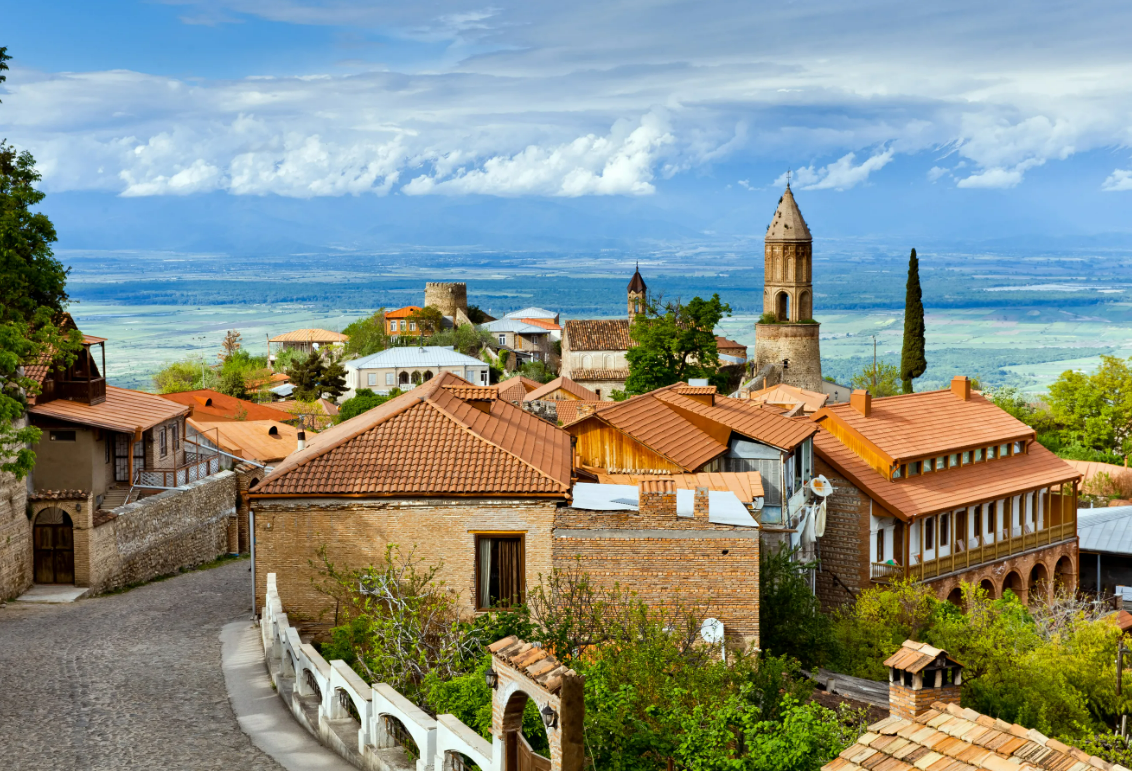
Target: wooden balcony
point(962, 558)
point(91, 391)
point(196, 467)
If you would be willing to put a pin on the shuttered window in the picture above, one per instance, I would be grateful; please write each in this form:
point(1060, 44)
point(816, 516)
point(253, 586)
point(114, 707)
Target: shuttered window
point(499, 571)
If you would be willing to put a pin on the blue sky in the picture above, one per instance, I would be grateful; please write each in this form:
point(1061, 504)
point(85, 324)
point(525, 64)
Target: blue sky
point(964, 119)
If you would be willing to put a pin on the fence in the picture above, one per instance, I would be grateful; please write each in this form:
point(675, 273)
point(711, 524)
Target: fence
point(197, 466)
point(372, 728)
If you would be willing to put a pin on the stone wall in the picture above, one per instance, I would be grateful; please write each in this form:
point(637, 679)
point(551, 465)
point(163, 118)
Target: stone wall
point(15, 538)
point(289, 534)
point(448, 298)
point(161, 534)
point(668, 560)
point(1036, 570)
point(796, 343)
point(844, 549)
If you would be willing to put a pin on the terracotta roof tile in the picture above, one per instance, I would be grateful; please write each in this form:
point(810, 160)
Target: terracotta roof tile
point(264, 441)
point(950, 489)
point(58, 495)
point(311, 336)
point(723, 345)
point(562, 383)
point(929, 424)
point(690, 390)
point(124, 410)
point(430, 442)
point(514, 389)
point(544, 323)
point(534, 662)
point(402, 313)
point(600, 375)
point(745, 418)
point(783, 395)
point(597, 335)
point(213, 404)
point(663, 430)
point(572, 410)
point(473, 392)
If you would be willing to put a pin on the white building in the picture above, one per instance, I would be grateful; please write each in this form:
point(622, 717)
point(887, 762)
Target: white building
point(409, 366)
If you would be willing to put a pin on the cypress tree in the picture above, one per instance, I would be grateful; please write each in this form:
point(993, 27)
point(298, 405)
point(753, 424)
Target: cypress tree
point(913, 357)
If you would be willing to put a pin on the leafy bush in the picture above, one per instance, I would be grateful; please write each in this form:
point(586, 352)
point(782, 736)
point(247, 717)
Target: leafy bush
point(538, 371)
point(363, 400)
point(790, 620)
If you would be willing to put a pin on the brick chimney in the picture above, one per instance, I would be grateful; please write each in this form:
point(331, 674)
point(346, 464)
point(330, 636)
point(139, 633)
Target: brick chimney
point(700, 505)
point(961, 387)
point(919, 675)
point(656, 497)
point(862, 402)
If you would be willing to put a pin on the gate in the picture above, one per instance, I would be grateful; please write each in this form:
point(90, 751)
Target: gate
point(54, 553)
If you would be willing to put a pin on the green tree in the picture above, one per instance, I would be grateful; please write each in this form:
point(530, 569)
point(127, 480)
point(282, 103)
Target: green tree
point(429, 321)
point(790, 620)
point(913, 357)
point(363, 400)
point(33, 296)
point(232, 383)
point(675, 342)
point(538, 371)
point(333, 380)
point(476, 315)
point(367, 336)
point(886, 382)
point(306, 376)
point(464, 339)
point(1096, 408)
point(185, 375)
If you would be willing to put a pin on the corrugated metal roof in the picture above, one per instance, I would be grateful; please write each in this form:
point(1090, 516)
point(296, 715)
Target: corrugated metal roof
point(514, 325)
point(1105, 530)
point(124, 410)
point(532, 313)
point(412, 356)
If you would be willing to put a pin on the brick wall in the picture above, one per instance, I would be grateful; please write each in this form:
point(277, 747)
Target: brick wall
point(15, 538)
point(797, 343)
point(668, 561)
point(161, 534)
point(844, 549)
point(290, 532)
point(907, 703)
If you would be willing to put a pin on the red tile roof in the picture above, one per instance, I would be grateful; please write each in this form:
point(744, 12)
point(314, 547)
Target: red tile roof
point(950, 489)
point(722, 344)
point(310, 336)
point(597, 334)
point(571, 410)
point(562, 383)
point(213, 404)
point(928, 424)
point(544, 323)
point(748, 419)
point(516, 388)
point(429, 442)
point(265, 441)
point(473, 392)
point(601, 375)
point(401, 313)
point(124, 410)
point(663, 430)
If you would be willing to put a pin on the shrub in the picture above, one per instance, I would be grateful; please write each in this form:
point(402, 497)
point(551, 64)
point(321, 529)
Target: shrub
point(790, 620)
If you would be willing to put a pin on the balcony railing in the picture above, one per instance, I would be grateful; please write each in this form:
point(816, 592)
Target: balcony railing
point(90, 391)
point(963, 558)
point(196, 467)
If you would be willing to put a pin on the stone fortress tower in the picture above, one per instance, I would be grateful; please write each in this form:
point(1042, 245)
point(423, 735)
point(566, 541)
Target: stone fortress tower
point(786, 350)
point(448, 298)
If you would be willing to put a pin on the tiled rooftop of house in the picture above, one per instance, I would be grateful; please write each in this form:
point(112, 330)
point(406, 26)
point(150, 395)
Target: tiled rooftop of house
point(264, 441)
point(310, 336)
point(723, 345)
point(429, 442)
point(515, 389)
point(787, 396)
point(748, 419)
point(215, 405)
point(929, 424)
point(124, 410)
point(600, 375)
point(402, 313)
point(547, 324)
point(571, 410)
point(598, 334)
point(562, 383)
point(951, 489)
point(950, 738)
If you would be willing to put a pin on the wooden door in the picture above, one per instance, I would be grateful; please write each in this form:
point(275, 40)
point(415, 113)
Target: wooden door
point(54, 553)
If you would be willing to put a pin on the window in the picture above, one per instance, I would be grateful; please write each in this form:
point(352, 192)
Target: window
point(503, 339)
point(176, 437)
point(403, 325)
point(941, 463)
point(412, 326)
point(163, 443)
point(929, 533)
point(944, 528)
point(1018, 447)
point(953, 461)
point(483, 377)
point(499, 571)
point(914, 468)
point(390, 379)
point(978, 455)
point(899, 471)
point(371, 378)
point(966, 458)
point(990, 453)
point(880, 546)
point(1004, 451)
point(62, 436)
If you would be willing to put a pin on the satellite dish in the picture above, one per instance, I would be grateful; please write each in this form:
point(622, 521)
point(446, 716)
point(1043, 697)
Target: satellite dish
point(819, 518)
point(821, 486)
point(712, 631)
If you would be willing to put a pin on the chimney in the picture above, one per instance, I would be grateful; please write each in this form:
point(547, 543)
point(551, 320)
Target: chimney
point(700, 505)
point(961, 387)
point(302, 436)
point(862, 402)
point(656, 497)
point(918, 676)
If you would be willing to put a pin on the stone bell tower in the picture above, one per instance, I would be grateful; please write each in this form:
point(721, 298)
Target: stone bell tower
point(786, 339)
point(637, 294)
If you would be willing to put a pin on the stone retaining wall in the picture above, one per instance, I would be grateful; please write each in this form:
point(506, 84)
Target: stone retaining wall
point(15, 538)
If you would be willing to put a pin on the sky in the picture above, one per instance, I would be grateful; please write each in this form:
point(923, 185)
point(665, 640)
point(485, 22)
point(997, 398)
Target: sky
point(912, 120)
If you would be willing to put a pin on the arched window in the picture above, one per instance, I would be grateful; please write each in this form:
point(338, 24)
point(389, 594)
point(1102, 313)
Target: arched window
point(587, 362)
point(782, 311)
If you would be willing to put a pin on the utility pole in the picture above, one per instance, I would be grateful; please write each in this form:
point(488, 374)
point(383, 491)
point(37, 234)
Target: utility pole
point(875, 365)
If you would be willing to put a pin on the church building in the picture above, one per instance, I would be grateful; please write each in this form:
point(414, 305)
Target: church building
point(594, 350)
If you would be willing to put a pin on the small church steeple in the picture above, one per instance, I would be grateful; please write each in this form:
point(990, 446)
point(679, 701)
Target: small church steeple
point(637, 293)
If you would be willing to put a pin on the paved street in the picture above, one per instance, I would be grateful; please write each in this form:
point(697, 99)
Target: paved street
point(131, 681)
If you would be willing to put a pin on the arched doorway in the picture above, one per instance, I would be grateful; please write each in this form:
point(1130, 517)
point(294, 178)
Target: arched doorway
point(403, 380)
point(1013, 582)
point(427, 375)
point(1039, 583)
point(528, 749)
point(1065, 577)
point(416, 378)
point(782, 306)
point(955, 597)
point(54, 539)
point(987, 586)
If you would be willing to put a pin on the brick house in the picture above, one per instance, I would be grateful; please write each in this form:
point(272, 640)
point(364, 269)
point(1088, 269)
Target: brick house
point(942, 487)
point(473, 484)
point(594, 350)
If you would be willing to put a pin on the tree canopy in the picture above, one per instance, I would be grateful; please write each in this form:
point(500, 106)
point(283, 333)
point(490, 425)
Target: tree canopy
point(367, 336)
point(913, 357)
point(885, 383)
point(673, 342)
point(1095, 409)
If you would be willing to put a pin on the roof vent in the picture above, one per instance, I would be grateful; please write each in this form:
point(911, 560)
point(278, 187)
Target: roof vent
point(208, 402)
point(273, 431)
point(961, 387)
point(862, 402)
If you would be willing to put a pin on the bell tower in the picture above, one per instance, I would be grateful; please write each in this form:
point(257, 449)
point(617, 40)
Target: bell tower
point(637, 294)
point(786, 337)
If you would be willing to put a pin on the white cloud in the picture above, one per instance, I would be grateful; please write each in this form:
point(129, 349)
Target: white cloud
point(935, 172)
point(1119, 180)
point(998, 177)
point(839, 175)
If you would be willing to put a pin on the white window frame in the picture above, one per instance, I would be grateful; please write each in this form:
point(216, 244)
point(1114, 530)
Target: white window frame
point(371, 378)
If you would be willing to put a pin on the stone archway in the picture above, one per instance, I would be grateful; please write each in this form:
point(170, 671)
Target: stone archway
point(955, 597)
point(1013, 582)
point(518, 751)
point(403, 380)
point(1065, 575)
point(988, 586)
point(1040, 585)
point(805, 306)
point(54, 547)
point(782, 306)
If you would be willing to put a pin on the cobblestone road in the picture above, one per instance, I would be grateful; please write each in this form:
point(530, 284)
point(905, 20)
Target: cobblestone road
point(131, 681)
